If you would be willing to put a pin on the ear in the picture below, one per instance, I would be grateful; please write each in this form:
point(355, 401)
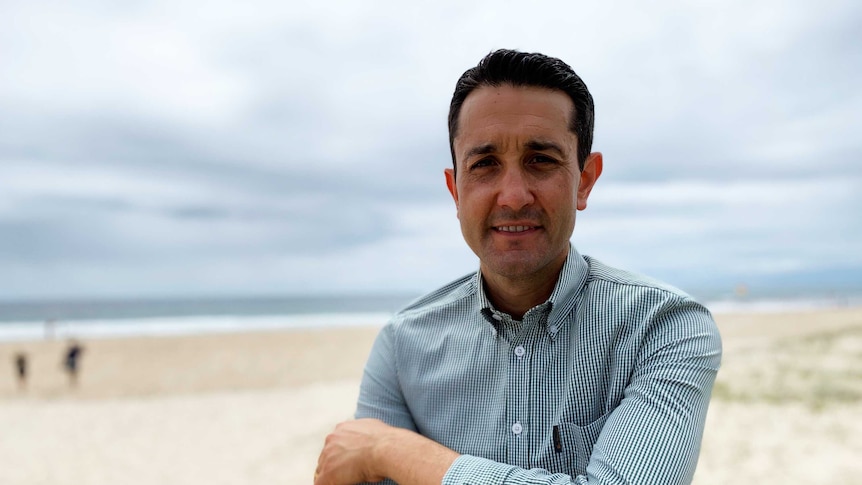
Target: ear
point(591, 172)
point(450, 184)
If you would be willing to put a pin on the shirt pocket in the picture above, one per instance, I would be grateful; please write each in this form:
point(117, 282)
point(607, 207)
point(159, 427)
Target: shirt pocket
point(576, 444)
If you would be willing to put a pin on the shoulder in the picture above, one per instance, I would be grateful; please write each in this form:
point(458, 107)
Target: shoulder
point(628, 293)
point(644, 304)
point(649, 314)
point(450, 311)
point(627, 296)
point(602, 274)
point(451, 303)
point(454, 294)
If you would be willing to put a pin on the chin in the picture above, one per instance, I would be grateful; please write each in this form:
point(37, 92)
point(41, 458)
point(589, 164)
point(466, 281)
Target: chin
point(515, 267)
point(519, 263)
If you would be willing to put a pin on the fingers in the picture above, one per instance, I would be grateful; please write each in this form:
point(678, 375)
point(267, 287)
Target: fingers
point(333, 462)
point(341, 461)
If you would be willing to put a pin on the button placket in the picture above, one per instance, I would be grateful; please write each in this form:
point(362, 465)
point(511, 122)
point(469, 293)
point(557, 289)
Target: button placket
point(518, 407)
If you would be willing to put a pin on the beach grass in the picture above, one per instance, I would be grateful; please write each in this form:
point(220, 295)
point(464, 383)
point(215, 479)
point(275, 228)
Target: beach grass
point(817, 370)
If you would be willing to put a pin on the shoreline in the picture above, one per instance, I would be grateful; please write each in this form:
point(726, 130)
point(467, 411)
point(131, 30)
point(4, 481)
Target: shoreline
point(188, 325)
point(146, 366)
point(30, 330)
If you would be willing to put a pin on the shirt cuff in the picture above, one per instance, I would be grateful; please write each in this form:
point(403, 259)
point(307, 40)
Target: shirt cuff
point(473, 470)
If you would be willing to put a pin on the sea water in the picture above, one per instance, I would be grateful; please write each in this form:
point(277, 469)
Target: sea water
point(33, 320)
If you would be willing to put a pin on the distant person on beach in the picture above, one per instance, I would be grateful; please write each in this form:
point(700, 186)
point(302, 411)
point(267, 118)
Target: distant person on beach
point(544, 366)
point(73, 354)
point(21, 369)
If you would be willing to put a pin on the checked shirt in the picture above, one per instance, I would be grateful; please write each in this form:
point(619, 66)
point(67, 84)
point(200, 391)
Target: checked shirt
point(606, 382)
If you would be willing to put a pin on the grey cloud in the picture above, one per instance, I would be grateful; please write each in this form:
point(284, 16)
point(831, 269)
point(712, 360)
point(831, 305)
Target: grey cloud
point(198, 212)
point(186, 235)
point(46, 242)
point(394, 172)
point(85, 205)
point(722, 122)
point(340, 123)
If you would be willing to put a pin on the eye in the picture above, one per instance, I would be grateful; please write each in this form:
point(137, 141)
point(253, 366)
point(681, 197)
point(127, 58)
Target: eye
point(485, 162)
point(542, 159)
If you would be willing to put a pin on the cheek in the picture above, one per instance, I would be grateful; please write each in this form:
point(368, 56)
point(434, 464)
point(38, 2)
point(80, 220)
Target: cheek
point(561, 205)
point(562, 193)
point(473, 200)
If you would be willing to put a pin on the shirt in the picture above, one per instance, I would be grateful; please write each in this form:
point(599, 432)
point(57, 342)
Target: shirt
point(606, 382)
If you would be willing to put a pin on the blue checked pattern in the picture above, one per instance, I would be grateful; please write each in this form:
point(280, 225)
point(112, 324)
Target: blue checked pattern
point(606, 382)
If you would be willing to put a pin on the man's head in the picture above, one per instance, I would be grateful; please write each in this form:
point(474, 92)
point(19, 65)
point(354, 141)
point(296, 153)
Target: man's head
point(524, 69)
point(522, 171)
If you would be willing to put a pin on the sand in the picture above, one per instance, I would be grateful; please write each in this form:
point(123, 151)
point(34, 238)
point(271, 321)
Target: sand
point(254, 408)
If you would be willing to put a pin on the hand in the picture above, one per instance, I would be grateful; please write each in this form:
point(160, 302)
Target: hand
point(348, 455)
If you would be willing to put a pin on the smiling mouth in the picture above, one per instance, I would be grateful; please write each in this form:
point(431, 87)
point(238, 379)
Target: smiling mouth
point(514, 229)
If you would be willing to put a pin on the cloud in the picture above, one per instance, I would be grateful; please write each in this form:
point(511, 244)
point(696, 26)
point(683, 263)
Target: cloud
point(704, 233)
point(156, 148)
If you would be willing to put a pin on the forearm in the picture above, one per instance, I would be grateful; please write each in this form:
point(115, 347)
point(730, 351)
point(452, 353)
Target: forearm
point(369, 450)
point(471, 469)
point(412, 459)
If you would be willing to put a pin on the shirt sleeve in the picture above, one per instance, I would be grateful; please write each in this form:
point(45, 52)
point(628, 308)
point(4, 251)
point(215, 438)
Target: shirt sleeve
point(380, 394)
point(654, 435)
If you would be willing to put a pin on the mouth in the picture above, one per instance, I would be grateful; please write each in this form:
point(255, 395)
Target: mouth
point(515, 229)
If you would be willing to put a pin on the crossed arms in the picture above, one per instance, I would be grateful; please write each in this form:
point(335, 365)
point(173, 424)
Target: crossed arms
point(652, 433)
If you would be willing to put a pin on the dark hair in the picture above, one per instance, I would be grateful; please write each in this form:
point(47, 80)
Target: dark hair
point(524, 69)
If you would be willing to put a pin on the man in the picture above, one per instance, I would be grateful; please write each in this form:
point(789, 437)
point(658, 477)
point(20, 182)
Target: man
point(545, 366)
point(70, 362)
point(21, 367)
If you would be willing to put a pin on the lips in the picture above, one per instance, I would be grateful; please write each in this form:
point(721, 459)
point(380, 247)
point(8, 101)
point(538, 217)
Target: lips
point(514, 229)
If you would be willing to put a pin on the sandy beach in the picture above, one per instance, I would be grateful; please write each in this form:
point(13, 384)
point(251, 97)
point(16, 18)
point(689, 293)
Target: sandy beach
point(254, 408)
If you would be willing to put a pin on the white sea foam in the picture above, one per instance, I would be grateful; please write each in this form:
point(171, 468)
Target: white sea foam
point(186, 325)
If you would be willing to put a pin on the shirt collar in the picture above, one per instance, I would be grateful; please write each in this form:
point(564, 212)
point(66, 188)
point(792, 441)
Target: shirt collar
point(572, 277)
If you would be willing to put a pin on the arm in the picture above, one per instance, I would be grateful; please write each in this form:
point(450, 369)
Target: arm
point(368, 450)
point(380, 394)
point(653, 436)
point(665, 403)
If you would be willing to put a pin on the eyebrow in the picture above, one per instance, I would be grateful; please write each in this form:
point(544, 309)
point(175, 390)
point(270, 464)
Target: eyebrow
point(480, 150)
point(535, 145)
point(541, 146)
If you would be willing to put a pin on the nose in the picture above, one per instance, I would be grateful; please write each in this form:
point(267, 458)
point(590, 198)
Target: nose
point(515, 190)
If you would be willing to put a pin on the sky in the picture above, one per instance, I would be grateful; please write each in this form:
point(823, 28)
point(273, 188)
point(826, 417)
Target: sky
point(182, 149)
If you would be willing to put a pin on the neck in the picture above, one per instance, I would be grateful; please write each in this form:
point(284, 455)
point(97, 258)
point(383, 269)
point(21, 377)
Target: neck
point(516, 296)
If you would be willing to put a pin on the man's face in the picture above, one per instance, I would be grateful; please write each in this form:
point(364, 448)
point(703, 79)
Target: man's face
point(518, 185)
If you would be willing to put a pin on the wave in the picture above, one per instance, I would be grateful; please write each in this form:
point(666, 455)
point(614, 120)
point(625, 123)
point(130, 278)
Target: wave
point(182, 325)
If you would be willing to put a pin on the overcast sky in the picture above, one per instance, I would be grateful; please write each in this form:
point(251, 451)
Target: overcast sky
point(164, 148)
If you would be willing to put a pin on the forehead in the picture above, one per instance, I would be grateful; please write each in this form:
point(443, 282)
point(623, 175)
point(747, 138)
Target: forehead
point(493, 113)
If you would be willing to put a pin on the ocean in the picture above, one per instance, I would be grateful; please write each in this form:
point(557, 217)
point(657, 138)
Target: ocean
point(29, 320)
point(87, 319)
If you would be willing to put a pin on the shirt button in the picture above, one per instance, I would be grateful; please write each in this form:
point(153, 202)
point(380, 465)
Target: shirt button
point(552, 329)
point(517, 428)
point(519, 351)
point(497, 317)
